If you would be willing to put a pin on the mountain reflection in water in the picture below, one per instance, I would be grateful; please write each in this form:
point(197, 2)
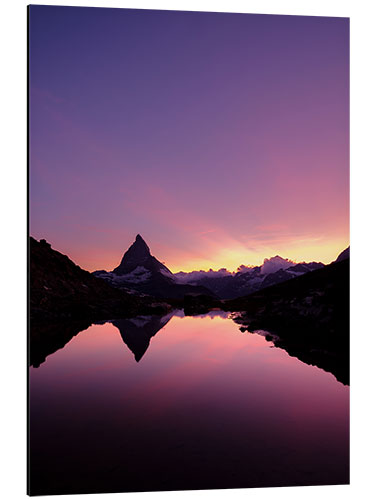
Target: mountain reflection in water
point(208, 406)
point(137, 333)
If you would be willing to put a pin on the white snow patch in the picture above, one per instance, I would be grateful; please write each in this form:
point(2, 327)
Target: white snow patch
point(194, 276)
point(275, 264)
point(140, 321)
point(139, 275)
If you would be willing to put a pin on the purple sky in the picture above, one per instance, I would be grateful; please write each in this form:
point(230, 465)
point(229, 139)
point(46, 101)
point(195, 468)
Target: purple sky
point(220, 138)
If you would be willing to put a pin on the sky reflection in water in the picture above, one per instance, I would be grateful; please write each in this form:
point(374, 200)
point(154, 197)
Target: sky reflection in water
point(206, 407)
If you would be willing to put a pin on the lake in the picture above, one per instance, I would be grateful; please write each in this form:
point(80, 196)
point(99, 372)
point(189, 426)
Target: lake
point(175, 402)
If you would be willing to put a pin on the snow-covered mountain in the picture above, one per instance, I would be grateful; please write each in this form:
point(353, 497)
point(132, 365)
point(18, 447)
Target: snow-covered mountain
point(140, 272)
point(138, 261)
point(247, 279)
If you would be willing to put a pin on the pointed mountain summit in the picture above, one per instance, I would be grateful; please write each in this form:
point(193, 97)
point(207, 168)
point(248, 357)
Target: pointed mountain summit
point(138, 255)
point(137, 332)
point(141, 272)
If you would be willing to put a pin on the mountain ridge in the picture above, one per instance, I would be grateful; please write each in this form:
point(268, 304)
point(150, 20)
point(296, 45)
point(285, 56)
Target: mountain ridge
point(140, 272)
point(61, 289)
point(249, 279)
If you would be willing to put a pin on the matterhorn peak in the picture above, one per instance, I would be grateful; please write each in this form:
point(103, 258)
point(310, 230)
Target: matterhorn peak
point(140, 242)
point(138, 258)
point(139, 238)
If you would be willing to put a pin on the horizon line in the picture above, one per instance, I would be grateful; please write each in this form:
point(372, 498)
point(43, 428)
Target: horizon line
point(194, 269)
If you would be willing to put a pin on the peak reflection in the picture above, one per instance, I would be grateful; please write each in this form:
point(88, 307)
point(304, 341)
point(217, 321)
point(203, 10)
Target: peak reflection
point(137, 332)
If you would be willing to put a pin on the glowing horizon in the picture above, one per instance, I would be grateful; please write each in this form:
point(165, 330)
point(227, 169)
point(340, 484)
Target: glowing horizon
point(324, 254)
point(222, 139)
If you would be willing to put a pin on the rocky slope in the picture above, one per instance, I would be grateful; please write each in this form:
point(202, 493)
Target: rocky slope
point(59, 289)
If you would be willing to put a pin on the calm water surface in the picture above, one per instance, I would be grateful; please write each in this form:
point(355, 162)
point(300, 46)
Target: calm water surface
point(205, 406)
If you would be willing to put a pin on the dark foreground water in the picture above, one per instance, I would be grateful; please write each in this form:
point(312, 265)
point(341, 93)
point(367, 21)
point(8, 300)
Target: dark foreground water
point(202, 406)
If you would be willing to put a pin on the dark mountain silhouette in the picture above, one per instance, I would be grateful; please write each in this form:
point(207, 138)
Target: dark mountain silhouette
point(48, 337)
point(250, 279)
point(65, 299)
point(141, 272)
point(345, 254)
point(137, 332)
point(137, 255)
point(309, 315)
point(59, 289)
